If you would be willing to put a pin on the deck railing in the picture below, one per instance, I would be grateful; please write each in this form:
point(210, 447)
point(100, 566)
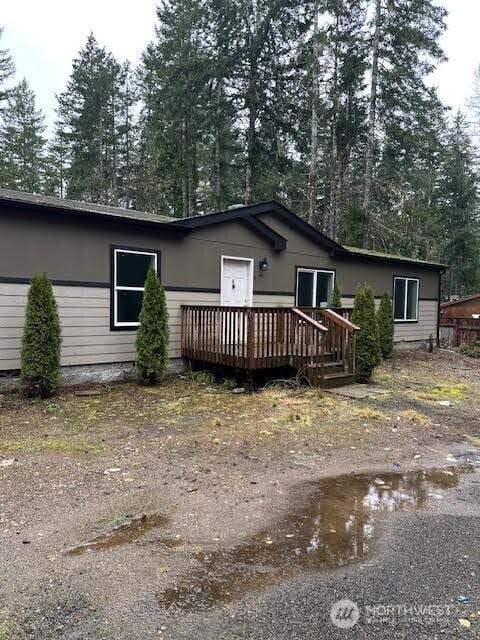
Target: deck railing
point(340, 337)
point(251, 337)
point(267, 337)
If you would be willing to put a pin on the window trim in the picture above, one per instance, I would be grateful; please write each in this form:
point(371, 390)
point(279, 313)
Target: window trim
point(315, 271)
point(405, 319)
point(115, 325)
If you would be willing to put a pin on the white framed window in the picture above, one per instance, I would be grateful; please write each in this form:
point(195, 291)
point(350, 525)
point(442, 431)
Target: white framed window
point(130, 268)
point(405, 299)
point(314, 287)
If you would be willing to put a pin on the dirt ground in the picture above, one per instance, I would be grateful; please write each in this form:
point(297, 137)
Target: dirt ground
point(109, 502)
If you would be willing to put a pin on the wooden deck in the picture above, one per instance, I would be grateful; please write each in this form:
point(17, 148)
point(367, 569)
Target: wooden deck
point(317, 342)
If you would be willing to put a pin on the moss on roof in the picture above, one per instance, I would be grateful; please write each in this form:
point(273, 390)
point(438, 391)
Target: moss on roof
point(390, 256)
point(76, 205)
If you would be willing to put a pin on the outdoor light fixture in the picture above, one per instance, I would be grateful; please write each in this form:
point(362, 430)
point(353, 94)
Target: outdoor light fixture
point(263, 264)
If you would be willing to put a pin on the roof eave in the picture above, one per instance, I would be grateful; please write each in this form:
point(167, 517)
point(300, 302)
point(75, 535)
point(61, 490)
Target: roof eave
point(390, 259)
point(98, 216)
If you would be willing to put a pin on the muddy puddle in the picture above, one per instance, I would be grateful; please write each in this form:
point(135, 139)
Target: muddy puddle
point(124, 534)
point(334, 527)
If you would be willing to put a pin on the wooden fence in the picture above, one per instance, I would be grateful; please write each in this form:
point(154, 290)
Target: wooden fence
point(457, 331)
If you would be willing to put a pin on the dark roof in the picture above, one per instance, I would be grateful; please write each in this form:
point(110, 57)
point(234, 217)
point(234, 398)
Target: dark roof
point(247, 214)
point(393, 257)
point(460, 300)
point(250, 211)
point(95, 211)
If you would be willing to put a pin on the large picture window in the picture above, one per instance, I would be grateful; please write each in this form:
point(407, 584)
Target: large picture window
point(130, 269)
point(405, 295)
point(314, 287)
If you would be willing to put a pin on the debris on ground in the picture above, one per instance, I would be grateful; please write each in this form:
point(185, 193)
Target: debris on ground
point(88, 392)
point(7, 462)
point(465, 623)
point(358, 391)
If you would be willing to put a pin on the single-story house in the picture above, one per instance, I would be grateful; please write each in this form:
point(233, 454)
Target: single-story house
point(248, 286)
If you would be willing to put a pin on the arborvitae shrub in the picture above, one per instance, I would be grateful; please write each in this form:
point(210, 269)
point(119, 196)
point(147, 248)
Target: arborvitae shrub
point(386, 325)
point(40, 359)
point(152, 335)
point(336, 297)
point(368, 339)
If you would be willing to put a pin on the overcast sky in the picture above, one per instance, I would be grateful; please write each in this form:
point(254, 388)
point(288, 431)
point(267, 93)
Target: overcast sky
point(44, 36)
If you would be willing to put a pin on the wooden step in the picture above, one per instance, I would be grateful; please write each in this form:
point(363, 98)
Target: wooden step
point(337, 379)
point(337, 363)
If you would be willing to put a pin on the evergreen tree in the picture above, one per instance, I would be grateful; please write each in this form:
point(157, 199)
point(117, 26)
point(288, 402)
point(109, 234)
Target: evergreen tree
point(152, 334)
point(367, 354)
point(57, 164)
point(386, 325)
point(347, 60)
point(22, 145)
point(336, 297)
point(266, 87)
point(173, 80)
point(7, 69)
point(404, 50)
point(94, 116)
point(458, 195)
point(40, 368)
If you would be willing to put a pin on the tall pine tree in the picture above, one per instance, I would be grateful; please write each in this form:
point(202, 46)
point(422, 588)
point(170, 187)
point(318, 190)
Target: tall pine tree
point(22, 145)
point(94, 116)
point(458, 196)
point(7, 69)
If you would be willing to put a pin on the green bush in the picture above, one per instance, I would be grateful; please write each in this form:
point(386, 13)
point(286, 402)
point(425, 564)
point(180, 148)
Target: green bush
point(152, 335)
point(470, 351)
point(336, 297)
point(386, 325)
point(368, 340)
point(40, 368)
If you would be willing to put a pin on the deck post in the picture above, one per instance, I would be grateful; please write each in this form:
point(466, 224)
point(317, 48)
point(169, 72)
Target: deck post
point(250, 338)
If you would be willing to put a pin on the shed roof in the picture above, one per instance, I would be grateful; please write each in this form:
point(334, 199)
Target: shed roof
point(474, 296)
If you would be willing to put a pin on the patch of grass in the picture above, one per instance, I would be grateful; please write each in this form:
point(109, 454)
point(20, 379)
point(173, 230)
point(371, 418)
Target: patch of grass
point(475, 440)
point(110, 523)
point(366, 413)
point(300, 419)
point(444, 391)
point(382, 377)
point(410, 415)
point(29, 445)
point(204, 377)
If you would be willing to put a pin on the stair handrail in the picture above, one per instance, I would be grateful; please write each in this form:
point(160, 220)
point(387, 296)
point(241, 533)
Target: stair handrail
point(338, 319)
point(307, 318)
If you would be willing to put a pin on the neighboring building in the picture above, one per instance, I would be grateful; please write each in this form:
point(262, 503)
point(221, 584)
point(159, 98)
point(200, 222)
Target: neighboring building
point(460, 322)
point(468, 307)
point(261, 255)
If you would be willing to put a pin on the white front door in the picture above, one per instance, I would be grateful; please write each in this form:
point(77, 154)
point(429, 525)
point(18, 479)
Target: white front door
point(237, 282)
